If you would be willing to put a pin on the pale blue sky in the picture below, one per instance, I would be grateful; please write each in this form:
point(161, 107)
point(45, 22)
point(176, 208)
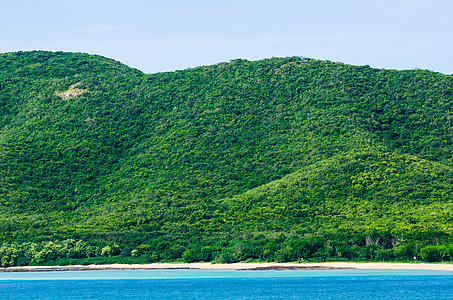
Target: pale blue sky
point(167, 35)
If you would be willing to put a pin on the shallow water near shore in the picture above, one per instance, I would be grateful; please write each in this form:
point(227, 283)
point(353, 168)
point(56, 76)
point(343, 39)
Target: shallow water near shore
point(227, 284)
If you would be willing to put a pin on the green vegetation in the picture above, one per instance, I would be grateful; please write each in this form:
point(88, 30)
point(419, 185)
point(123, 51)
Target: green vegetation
point(273, 160)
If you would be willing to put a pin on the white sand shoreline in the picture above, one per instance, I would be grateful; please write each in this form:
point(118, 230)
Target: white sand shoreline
point(239, 266)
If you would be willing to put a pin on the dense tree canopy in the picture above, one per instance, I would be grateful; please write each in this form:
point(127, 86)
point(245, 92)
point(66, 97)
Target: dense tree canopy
point(278, 159)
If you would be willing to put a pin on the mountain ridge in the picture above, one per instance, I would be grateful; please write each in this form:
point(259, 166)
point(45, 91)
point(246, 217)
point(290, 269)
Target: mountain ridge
point(94, 150)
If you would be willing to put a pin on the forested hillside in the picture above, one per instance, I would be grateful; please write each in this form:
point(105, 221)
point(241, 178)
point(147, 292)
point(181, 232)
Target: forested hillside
point(278, 159)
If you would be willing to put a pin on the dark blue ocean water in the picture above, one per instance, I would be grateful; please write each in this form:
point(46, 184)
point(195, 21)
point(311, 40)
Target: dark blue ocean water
point(228, 284)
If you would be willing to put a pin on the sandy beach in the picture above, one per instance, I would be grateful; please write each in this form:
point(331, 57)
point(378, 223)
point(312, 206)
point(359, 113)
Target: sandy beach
point(240, 266)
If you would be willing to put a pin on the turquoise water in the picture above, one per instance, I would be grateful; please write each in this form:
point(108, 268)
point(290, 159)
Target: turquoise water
point(228, 284)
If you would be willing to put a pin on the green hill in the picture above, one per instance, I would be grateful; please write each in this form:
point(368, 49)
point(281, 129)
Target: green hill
point(278, 159)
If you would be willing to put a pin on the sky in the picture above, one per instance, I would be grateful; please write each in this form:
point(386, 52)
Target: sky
point(166, 35)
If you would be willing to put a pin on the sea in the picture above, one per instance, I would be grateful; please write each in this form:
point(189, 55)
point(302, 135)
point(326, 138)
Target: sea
point(228, 284)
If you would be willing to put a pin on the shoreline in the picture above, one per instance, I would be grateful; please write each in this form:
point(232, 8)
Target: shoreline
point(239, 266)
